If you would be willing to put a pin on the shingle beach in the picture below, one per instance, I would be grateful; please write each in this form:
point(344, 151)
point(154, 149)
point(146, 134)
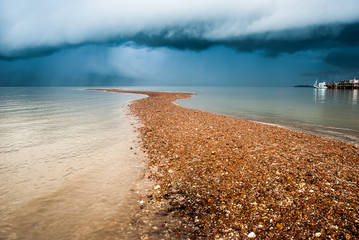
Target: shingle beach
point(228, 178)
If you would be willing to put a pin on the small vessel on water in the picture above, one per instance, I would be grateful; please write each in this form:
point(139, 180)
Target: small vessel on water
point(321, 85)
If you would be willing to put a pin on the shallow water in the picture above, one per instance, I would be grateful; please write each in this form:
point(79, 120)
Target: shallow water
point(325, 112)
point(66, 168)
point(330, 113)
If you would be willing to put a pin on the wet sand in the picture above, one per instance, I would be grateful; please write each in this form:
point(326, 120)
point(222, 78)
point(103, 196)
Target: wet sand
point(221, 177)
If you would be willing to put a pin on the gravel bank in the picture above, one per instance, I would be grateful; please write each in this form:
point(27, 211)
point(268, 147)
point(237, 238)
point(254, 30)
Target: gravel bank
point(223, 177)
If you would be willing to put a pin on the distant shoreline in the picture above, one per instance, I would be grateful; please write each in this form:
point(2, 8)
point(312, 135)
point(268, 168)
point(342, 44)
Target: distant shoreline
point(304, 86)
point(231, 178)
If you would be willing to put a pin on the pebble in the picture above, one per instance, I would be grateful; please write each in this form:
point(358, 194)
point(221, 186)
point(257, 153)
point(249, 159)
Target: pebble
point(234, 162)
point(252, 235)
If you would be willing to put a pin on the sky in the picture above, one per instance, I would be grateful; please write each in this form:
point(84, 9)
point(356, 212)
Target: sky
point(177, 42)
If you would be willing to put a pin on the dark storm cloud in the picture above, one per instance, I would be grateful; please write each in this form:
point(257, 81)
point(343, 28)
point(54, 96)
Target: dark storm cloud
point(81, 66)
point(294, 40)
point(348, 59)
point(175, 37)
point(65, 42)
point(30, 53)
point(270, 43)
point(38, 28)
point(314, 74)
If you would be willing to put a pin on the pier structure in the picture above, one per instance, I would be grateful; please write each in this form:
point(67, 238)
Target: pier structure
point(344, 84)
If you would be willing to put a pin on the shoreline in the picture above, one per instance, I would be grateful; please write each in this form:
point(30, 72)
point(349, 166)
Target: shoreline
point(227, 177)
point(321, 131)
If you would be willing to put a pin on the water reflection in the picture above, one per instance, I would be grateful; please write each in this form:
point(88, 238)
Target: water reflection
point(349, 97)
point(319, 95)
point(355, 97)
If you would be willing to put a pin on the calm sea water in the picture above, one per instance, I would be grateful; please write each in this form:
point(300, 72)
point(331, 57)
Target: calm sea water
point(66, 167)
point(329, 113)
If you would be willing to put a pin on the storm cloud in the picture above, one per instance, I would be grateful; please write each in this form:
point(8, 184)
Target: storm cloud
point(347, 59)
point(38, 28)
point(161, 42)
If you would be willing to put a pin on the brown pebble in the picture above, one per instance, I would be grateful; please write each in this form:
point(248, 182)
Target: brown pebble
point(302, 185)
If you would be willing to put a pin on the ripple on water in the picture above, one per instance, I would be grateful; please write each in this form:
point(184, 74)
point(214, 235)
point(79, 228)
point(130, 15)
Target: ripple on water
point(66, 165)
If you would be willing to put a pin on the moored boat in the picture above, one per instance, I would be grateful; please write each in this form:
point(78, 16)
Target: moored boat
point(321, 85)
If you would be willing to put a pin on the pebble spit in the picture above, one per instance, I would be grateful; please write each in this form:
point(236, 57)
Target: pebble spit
point(229, 178)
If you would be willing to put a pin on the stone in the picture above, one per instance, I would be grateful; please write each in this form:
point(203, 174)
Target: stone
point(252, 235)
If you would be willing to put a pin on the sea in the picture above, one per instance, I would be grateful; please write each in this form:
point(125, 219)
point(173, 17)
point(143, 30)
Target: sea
point(331, 113)
point(67, 155)
point(66, 165)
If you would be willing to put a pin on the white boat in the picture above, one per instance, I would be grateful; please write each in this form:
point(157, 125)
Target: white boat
point(321, 85)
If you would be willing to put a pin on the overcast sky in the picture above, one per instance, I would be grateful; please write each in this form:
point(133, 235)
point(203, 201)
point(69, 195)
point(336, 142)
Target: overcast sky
point(162, 42)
